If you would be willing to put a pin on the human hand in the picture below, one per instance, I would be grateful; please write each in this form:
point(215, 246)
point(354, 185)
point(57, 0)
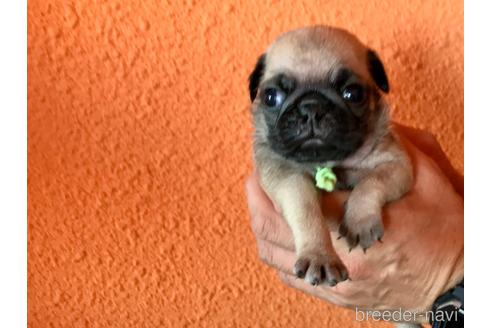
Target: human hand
point(422, 253)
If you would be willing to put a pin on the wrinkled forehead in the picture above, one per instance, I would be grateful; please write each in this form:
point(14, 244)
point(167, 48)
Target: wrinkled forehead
point(308, 56)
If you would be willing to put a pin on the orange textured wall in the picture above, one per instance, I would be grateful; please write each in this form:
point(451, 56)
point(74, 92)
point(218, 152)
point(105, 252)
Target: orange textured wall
point(139, 145)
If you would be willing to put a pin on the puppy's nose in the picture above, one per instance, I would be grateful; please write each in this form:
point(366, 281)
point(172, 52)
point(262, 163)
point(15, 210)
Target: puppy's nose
point(312, 107)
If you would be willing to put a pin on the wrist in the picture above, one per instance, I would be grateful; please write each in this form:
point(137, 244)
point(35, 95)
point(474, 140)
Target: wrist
point(448, 309)
point(445, 273)
point(448, 306)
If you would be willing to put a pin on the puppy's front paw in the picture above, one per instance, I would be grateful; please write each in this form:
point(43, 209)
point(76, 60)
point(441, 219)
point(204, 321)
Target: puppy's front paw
point(318, 268)
point(361, 230)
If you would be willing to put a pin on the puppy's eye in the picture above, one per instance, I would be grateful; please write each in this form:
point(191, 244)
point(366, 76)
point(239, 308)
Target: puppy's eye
point(353, 93)
point(273, 98)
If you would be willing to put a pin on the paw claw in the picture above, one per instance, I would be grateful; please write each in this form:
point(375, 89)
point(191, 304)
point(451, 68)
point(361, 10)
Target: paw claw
point(363, 231)
point(319, 268)
point(344, 276)
point(301, 267)
point(342, 230)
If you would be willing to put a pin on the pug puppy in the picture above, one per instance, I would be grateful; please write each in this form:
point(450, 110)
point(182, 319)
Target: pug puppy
point(317, 101)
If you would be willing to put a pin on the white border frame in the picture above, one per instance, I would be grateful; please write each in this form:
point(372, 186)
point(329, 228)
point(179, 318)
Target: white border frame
point(478, 108)
point(13, 145)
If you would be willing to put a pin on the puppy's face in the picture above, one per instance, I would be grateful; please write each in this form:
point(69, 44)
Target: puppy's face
point(316, 89)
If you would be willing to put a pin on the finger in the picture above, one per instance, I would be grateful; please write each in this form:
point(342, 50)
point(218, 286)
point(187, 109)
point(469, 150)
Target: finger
point(321, 291)
point(256, 196)
point(428, 144)
point(426, 172)
point(271, 227)
point(424, 140)
point(266, 223)
point(276, 257)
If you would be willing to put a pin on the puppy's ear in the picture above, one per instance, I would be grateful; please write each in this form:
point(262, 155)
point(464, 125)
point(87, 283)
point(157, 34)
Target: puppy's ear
point(376, 69)
point(255, 77)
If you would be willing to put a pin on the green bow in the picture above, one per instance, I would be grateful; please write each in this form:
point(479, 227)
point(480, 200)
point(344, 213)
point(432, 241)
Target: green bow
point(325, 178)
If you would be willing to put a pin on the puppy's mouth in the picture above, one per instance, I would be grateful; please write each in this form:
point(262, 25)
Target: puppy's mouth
point(311, 150)
point(315, 150)
point(313, 147)
point(311, 143)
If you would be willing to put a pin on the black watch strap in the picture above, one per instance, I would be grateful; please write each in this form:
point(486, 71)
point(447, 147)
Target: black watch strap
point(448, 310)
